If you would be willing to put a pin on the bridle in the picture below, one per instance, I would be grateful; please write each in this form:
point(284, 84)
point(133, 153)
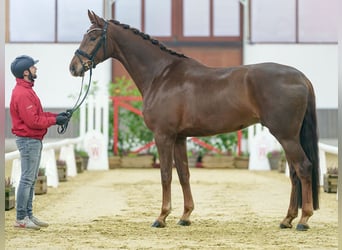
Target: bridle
point(101, 43)
point(90, 64)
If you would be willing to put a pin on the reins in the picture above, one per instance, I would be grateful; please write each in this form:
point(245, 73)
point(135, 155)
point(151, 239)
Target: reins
point(90, 64)
point(62, 128)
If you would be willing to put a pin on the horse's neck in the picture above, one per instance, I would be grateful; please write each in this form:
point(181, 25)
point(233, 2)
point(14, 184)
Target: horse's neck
point(142, 60)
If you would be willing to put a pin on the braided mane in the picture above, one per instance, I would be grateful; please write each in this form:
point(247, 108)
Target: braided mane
point(147, 37)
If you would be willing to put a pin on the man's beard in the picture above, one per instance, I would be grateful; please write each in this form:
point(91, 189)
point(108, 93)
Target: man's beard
point(32, 76)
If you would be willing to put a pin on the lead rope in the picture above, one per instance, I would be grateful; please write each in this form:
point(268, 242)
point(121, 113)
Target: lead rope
point(61, 129)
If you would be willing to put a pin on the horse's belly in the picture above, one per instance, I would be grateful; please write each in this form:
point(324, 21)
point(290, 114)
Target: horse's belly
point(216, 124)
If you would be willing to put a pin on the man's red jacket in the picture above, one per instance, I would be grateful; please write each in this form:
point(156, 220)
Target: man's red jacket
point(28, 117)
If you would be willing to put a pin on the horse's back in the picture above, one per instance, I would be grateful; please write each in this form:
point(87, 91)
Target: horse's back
point(274, 70)
point(277, 80)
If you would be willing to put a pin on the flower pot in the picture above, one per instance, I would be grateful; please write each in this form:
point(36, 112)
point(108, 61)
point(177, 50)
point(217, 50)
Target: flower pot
point(192, 160)
point(84, 157)
point(85, 160)
point(241, 162)
point(330, 183)
point(282, 165)
point(41, 185)
point(62, 173)
point(218, 161)
point(9, 198)
point(274, 162)
point(114, 162)
point(79, 165)
point(62, 170)
point(139, 161)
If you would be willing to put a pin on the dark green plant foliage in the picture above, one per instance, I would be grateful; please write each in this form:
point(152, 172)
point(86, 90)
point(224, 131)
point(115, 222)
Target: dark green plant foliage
point(132, 129)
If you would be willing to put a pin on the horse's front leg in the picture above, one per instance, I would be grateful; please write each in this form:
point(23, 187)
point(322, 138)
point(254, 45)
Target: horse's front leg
point(181, 161)
point(165, 148)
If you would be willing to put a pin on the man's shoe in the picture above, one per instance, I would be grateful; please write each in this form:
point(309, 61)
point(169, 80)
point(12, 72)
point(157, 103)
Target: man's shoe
point(26, 223)
point(39, 222)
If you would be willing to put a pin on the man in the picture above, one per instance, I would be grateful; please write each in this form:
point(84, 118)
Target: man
point(29, 125)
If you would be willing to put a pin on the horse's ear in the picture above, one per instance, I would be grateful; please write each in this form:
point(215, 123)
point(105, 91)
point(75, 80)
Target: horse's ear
point(94, 19)
point(91, 16)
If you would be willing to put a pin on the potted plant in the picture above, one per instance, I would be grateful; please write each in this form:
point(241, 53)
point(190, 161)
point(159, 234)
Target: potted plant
point(133, 131)
point(226, 143)
point(62, 170)
point(41, 182)
point(193, 158)
point(83, 158)
point(137, 161)
point(79, 163)
point(274, 159)
point(282, 163)
point(114, 161)
point(330, 180)
point(241, 161)
point(9, 194)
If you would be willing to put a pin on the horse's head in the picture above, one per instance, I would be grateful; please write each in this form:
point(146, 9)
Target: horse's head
point(92, 49)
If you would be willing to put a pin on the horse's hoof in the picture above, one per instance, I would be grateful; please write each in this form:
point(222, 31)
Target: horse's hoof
point(158, 224)
point(302, 227)
point(184, 222)
point(284, 226)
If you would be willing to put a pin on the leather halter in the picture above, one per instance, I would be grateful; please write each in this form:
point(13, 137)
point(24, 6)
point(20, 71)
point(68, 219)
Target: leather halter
point(102, 42)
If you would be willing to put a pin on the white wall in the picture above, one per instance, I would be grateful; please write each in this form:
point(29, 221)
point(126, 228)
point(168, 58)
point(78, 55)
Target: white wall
point(319, 62)
point(54, 83)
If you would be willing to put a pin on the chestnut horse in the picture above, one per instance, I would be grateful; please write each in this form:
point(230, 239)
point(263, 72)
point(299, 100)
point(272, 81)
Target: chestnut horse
point(182, 97)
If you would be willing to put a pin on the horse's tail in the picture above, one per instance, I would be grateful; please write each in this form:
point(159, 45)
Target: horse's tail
point(309, 142)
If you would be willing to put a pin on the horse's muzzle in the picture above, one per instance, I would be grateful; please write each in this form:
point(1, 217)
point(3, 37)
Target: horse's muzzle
point(76, 68)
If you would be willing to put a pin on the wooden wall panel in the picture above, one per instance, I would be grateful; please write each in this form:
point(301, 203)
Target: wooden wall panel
point(215, 57)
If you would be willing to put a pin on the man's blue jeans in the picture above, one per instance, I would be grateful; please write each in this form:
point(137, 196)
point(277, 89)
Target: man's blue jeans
point(30, 154)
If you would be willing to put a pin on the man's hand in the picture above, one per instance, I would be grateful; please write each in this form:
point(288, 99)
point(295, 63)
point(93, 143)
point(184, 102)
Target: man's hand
point(69, 113)
point(62, 118)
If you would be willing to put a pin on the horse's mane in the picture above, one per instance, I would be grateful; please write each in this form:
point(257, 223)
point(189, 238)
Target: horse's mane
point(147, 37)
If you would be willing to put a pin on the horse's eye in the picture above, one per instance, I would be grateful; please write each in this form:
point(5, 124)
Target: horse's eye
point(92, 38)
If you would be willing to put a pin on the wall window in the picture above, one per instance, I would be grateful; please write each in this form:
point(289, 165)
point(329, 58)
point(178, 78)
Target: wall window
point(158, 17)
point(150, 16)
point(143, 15)
point(50, 20)
point(288, 21)
point(294, 21)
point(196, 21)
point(318, 21)
point(226, 18)
point(72, 18)
point(273, 21)
point(182, 19)
point(212, 19)
point(129, 12)
point(25, 21)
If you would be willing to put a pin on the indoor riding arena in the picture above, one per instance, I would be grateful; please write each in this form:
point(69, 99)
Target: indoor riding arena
point(191, 124)
point(234, 209)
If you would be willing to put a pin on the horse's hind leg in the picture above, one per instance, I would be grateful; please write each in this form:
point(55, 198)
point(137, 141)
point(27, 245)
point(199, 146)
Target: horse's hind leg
point(301, 179)
point(292, 212)
point(181, 161)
